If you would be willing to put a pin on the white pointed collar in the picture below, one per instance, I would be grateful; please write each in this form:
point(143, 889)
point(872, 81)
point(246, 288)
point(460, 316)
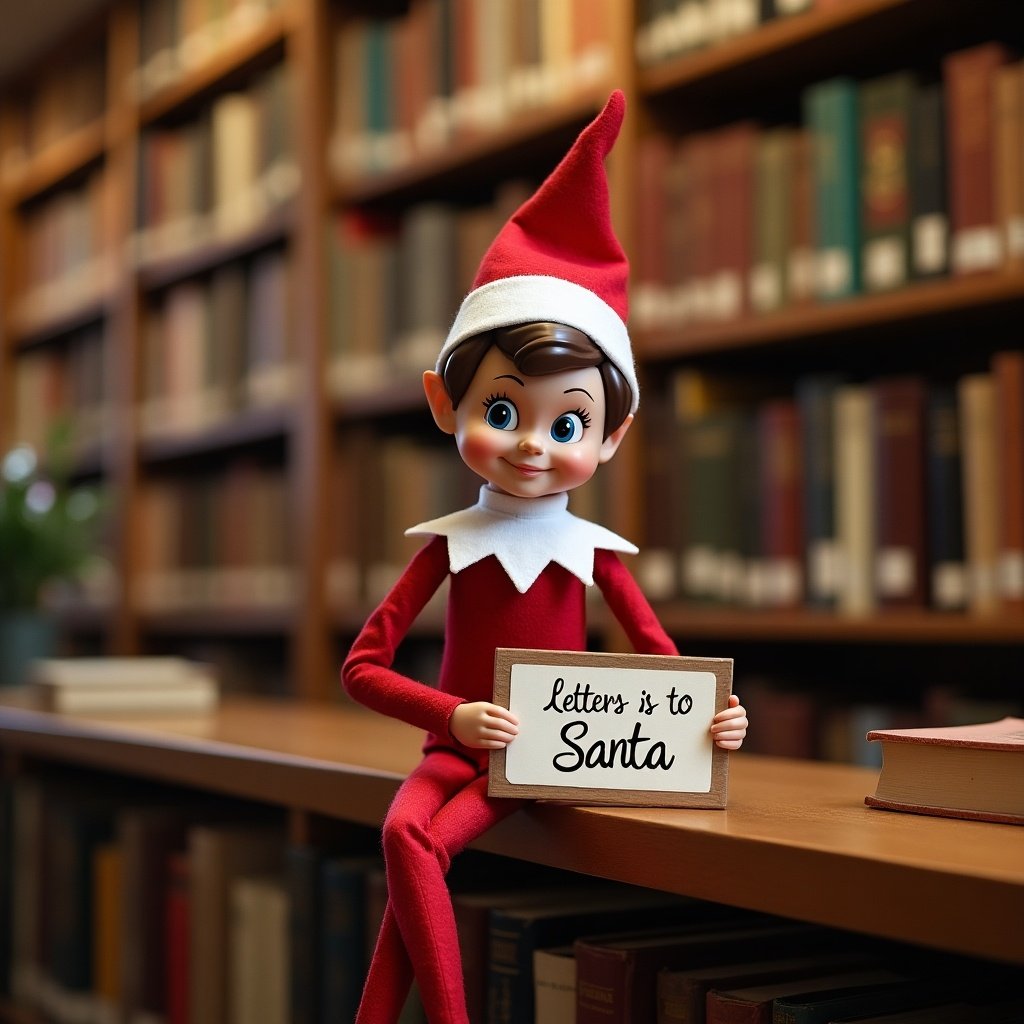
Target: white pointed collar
point(524, 534)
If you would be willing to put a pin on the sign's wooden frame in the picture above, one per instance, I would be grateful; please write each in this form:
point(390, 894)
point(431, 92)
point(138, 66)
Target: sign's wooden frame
point(715, 798)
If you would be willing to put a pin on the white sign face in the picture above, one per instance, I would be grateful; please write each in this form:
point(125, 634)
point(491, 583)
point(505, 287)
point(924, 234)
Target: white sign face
point(611, 728)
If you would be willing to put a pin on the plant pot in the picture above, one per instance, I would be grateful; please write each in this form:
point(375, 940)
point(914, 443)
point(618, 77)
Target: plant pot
point(24, 636)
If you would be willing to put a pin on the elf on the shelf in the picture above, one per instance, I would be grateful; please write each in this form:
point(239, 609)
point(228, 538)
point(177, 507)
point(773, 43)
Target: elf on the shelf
point(536, 382)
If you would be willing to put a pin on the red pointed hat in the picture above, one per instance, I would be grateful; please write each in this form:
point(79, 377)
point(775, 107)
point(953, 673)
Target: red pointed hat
point(557, 259)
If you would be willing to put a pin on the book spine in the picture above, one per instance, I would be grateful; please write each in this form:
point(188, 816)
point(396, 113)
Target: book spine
point(899, 428)
point(885, 199)
point(1008, 377)
point(929, 212)
point(601, 985)
point(831, 115)
point(945, 502)
point(969, 76)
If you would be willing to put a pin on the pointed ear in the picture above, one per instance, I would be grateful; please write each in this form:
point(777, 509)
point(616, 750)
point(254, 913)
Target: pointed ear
point(611, 443)
point(439, 402)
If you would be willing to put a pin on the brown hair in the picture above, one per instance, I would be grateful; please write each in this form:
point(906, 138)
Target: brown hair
point(537, 349)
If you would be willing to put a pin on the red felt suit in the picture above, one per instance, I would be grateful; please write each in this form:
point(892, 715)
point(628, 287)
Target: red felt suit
point(443, 805)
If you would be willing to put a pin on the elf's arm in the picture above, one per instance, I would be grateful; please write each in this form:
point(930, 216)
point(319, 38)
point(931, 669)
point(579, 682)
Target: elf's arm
point(628, 604)
point(367, 674)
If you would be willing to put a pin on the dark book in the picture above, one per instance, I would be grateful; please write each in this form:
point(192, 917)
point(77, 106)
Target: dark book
point(177, 913)
point(772, 221)
point(1008, 375)
point(515, 932)
point(969, 76)
point(682, 995)
point(302, 867)
point(616, 975)
point(815, 396)
point(901, 568)
point(885, 110)
point(948, 569)
point(781, 490)
point(929, 211)
point(344, 937)
point(754, 1004)
point(857, 1001)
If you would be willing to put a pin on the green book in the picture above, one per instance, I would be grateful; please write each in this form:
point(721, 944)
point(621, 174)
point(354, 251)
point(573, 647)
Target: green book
point(830, 112)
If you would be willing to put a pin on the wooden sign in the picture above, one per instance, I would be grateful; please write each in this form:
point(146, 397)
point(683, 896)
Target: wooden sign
point(611, 729)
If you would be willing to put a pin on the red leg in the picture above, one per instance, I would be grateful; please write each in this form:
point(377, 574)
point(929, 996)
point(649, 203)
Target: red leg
point(441, 807)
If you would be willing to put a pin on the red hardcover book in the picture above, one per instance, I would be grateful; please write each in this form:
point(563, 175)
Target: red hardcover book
point(732, 190)
point(1008, 375)
point(781, 489)
point(900, 411)
point(960, 771)
point(176, 944)
point(970, 77)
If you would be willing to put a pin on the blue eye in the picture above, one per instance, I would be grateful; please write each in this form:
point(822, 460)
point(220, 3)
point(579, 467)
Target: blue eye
point(568, 428)
point(501, 414)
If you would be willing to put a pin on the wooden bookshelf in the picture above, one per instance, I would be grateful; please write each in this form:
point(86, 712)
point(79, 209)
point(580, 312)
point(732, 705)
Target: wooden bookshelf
point(704, 88)
point(796, 839)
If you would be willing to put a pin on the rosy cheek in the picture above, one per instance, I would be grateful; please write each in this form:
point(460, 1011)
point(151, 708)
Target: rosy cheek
point(479, 445)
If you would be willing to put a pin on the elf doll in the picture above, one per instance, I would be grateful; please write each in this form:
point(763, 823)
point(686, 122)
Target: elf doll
point(537, 384)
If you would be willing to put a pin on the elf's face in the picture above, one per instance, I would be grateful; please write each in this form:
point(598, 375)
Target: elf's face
point(528, 436)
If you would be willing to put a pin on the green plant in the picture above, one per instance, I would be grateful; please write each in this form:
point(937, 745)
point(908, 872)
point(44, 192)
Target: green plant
point(48, 528)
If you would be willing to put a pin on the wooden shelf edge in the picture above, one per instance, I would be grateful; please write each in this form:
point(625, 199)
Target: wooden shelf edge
point(58, 161)
point(399, 398)
point(249, 427)
point(26, 332)
point(233, 57)
point(461, 155)
point(906, 877)
point(773, 38)
point(215, 621)
point(891, 626)
point(861, 313)
point(161, 271)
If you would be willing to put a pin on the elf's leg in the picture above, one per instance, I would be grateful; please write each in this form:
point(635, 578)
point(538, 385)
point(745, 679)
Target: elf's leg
point(433, 782)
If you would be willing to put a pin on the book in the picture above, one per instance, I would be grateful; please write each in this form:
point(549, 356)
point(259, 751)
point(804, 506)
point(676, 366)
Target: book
point(1008, 378)
point(754, 1004)
point(929, 210)
point(617, 975)
point(515, 932)
point(965, 771)
point(554, 985)
point(977, 409)
point(947, 564)
point(218, 855)
point(885, 105)
point(682, 995)
point(830, 112)
point(177, 911)
point(969, 76)
point(899, 415)
point(842, 1004)
point(854, 499)
point(258, 966)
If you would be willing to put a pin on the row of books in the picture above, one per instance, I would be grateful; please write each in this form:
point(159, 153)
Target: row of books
point(66, 249)
point(446, 69)
point(220, 174)
point(802, 719)
point(216, 541)
point(69, 95)
point(68, 382)
point(192, 912)
point(395, 286)
point(897, 492)
point(887, 181)
point(382, 485)
point(177, 36)
point(669, 28)
point(215, 346)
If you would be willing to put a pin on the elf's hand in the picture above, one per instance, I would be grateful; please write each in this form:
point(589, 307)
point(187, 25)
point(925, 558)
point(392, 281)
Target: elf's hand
point(483, 725)
point(729, 726)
